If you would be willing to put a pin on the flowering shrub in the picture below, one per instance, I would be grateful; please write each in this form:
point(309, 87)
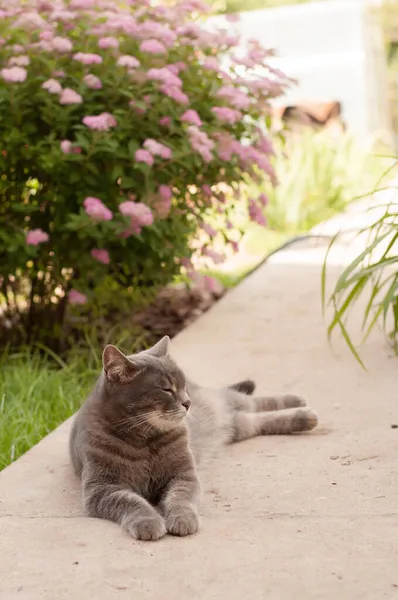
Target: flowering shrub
point(119, 131)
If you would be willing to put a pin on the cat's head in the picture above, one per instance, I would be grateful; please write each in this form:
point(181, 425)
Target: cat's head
point(146, 389)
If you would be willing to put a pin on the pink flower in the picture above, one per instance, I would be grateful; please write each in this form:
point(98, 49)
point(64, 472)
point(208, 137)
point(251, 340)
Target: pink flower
point(92, 81)
point(76, 297)
point(69, 96)
point(165, 121)
point(165, 192)
point(236, 97)
point(30, 20)
point(201, 143)
point(157, 149)
point(166, 76)
point(82, 4)
point(46, 35)
point(53, 86)
point(177, 67)
point(256, 213)
point(175, 93)
point(19, 61)
point(97, 210)
point(211, 64)
point(108, 42)
point(264, 145)
point(153, 47)
point(141, 216)
point(128, 61)
point(66, 146)
point(88, 59)
point(60, 44)
point(211, 284)
point(101, 255)
point(211, 232)
point(17, 48)
point(263, 199)
point(186, 263)
point(34, 237)
point(227, 115)
point(214, 256)
point(235, 245)
point(101, 122)
point(233, 17)
point(14, 74)
point(144, 156)
point(191, 116)
point(58, 73)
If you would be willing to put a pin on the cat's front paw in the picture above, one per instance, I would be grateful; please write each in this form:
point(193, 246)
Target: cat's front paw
point(148, 529)
point(184, 521)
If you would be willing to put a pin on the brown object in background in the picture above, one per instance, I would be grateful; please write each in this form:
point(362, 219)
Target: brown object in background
point(317, 115)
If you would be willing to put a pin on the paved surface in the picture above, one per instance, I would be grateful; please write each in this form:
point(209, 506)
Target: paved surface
point(305, 517)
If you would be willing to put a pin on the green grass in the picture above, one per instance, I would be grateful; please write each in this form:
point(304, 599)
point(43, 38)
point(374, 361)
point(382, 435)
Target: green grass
point(319, 176)
point(36, 395)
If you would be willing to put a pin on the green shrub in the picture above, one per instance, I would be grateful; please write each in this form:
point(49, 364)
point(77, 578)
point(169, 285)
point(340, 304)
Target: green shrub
point(117, 127)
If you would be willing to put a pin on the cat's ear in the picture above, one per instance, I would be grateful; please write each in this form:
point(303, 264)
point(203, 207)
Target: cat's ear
point(117, 367)
point(161, 348)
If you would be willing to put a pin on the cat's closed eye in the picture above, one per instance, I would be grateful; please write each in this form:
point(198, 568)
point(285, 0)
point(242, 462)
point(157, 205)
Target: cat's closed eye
point(168, 391)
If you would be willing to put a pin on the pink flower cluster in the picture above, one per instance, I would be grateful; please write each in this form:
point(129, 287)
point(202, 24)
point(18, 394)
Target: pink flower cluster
point(157, 149)
point(227, 115)
point(236, 97)
point(76, 297)
point(191, 116)
point(140, 216)
point(19, 61)
point(96, 209)
point(34, 237)
point(92, 81)
point(101, 255)
point(108, 42)
point(102, 122)
point(255, 213)
point(131, 62)
point(201, 143)
point(88, 59)
point(53, 86)
point(171, 83)
point(14, 74)
point(153, 47)
point(69, 96)
point(144, 156)
point(67, 147)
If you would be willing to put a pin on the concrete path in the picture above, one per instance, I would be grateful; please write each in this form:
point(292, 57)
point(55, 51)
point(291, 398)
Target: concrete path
point(305, 517)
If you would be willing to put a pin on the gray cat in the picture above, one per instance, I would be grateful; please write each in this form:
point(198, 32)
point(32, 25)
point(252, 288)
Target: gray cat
point(139, 437)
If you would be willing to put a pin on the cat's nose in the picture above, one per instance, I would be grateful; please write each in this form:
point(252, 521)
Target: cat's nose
point(186, 404)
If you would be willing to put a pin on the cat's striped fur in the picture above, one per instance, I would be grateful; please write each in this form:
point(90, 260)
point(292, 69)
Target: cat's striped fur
point(137, 447)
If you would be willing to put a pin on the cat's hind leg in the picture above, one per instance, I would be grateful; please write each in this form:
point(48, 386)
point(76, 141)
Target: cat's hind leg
point(238, 401)
point(282, 422)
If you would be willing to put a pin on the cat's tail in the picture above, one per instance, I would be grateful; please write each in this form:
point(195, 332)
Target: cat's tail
point(244, 387)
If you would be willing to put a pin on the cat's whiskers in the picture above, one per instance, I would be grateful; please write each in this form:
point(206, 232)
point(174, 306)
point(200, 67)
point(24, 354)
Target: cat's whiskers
point(130, 423)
